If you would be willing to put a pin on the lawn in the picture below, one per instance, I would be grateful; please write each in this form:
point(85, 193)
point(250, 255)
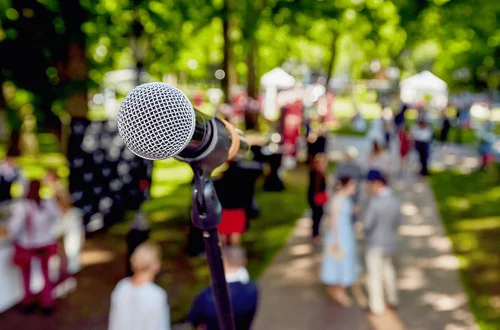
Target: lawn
point(469, 206)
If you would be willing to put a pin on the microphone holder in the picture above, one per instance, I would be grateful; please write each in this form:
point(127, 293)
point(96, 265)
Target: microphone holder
point(206, 214)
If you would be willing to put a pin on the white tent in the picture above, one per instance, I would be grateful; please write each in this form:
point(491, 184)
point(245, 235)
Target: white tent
point(274, 79)
point(277, 77)
point(424, 85)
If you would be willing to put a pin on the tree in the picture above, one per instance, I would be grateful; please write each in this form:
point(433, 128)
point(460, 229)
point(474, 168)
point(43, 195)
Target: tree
point(71, 60)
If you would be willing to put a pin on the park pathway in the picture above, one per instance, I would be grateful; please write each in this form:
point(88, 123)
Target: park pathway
point(431, 295)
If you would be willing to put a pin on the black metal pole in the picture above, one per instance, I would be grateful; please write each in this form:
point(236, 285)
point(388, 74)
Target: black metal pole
point(206, 215)
point(219, 285)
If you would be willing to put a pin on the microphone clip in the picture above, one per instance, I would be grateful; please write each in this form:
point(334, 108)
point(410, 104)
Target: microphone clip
point(206, 211)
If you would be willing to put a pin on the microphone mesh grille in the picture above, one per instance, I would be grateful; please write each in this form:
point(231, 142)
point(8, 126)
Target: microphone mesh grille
point(156, 121)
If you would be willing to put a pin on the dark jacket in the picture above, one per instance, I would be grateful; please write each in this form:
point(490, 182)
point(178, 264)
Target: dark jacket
point(317, 183)
point(244, 299)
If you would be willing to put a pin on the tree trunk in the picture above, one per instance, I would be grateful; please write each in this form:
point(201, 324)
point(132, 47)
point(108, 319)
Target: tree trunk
point(333, 57)
point(73, 68)
point(225, 83)
point(252, 83)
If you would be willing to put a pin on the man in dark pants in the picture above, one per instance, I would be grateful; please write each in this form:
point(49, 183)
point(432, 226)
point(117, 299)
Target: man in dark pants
point(422, 134)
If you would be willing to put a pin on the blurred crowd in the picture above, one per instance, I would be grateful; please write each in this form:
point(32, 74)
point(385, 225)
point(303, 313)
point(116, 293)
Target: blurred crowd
point(355, 198)
point(41, 226)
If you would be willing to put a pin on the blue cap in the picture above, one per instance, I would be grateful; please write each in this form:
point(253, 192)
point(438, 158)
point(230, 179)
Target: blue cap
point(375, 175)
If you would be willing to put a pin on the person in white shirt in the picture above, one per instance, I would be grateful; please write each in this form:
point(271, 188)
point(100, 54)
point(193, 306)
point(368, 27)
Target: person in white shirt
point(422, 135)
point(136, 302)
point(32, 228)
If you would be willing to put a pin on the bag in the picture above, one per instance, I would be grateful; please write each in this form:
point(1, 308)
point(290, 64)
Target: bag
point(336, 252)
point(320, 198)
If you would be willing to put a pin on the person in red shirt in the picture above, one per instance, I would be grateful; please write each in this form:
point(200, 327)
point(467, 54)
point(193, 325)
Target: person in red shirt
point(404, 148)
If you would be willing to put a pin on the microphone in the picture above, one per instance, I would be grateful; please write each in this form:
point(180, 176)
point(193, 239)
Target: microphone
point(157, 121)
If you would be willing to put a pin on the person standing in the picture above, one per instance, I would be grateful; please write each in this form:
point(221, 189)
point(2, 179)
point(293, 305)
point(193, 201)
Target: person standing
point(422, 135)
point(339, 269)
point(445, 128)
point(234, 216)
point(32, 226)
point(349, 168)
point(137, 302)
point(400, 119)
point(243, 293)
point(317, 195)
point(404, 148)
point(381, 224)
point(316, 144)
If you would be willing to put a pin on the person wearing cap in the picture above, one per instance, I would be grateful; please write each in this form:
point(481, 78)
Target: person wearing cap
point(422, 136)
point(137, 302)
point(381, 224)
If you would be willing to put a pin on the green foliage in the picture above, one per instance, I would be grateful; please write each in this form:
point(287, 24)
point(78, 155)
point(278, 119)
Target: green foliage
point(469, 209)
point(458, 40)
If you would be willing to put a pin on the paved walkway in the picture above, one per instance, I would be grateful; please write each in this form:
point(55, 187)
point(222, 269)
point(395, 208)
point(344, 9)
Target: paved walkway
point(430, 291)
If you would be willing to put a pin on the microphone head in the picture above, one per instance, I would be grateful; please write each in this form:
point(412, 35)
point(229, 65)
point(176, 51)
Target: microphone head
point(156, 121)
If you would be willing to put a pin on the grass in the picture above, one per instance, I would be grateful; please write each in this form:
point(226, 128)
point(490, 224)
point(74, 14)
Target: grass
point(469, 206)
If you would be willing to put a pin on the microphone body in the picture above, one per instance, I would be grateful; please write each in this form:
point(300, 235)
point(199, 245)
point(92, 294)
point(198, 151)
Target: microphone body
point(214, 142)
point(157, 121)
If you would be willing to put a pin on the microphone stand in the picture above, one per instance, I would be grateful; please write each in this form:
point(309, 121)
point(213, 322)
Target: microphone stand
point(206, 215)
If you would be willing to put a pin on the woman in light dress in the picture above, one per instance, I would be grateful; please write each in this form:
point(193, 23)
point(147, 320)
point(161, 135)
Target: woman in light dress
point(340, 267)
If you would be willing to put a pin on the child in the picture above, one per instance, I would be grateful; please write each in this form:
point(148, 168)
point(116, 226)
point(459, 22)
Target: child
point(136, 302)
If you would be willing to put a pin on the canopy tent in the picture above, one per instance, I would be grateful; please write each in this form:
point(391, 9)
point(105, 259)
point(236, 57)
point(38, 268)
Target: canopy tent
point(275, 79)
point(424, 86)
point(279, 78)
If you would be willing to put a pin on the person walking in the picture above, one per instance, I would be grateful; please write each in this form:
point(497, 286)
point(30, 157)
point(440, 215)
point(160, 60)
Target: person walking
point(32, 226)
point(422, 135)
point(137, 302)
point(381, 223)
point(317, 195)
point(339, 269)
